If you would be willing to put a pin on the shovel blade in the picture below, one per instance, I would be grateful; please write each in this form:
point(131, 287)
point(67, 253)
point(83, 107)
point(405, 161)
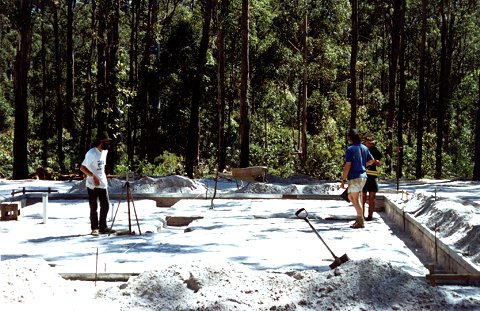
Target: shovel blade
point(338, 261)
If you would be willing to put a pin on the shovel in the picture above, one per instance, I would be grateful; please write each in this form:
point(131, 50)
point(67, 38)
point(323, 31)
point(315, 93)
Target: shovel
point(303, 214)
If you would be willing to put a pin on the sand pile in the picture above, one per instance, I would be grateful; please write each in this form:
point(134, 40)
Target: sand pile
point(356, 285)
point(146, 184)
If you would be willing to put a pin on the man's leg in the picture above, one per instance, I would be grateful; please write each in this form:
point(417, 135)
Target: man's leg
point(92, 202)
point(371, 204)
point(355, 199)
point(102, 196)
point(373, 189)
point(355, 187)
point(364, 199)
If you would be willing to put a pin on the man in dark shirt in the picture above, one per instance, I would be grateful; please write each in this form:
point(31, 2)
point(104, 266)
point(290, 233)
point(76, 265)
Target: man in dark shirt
point(357, 159)
point(371, 186)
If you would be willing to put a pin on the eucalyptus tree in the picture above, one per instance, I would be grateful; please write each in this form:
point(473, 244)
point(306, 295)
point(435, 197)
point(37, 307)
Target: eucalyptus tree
point(328, 46)
point(58, 87)
point(20, 86)
point(396, 26)
point(458, 46)
point(222, 13)
point(476, 167)
point(447, 29)
point(422, 97)
point(244, 87)
point(402, 96)
point(353, 65)
point(86, 61)
point(69, 81)
point(459, 144)
point(191, 153)
point(43, 55)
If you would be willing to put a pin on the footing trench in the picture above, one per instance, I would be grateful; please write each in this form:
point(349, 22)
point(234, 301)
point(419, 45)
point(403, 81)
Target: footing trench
point(455, 269)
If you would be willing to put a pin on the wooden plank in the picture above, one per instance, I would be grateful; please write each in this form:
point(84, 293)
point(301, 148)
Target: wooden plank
point(105, 277)
point(470, 279)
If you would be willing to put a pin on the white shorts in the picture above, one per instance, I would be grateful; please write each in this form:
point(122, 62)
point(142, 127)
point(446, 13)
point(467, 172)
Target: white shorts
point(356, 185)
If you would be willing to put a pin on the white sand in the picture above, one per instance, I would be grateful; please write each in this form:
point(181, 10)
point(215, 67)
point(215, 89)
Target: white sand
point(207, 283)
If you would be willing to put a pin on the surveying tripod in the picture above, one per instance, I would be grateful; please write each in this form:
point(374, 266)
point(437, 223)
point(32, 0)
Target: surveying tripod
point(128, 191)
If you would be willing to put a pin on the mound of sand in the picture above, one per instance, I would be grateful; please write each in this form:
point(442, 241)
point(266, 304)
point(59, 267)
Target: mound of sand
point(356, 285)
point(146, 184)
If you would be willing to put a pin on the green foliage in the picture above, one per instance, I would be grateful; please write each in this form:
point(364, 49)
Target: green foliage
point(276, 149)
point(6, 158)
point(6, 113)
point(165, 164)
point(325, 156)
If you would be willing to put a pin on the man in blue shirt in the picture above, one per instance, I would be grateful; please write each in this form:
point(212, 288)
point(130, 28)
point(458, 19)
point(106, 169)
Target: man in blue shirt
point(357, 158)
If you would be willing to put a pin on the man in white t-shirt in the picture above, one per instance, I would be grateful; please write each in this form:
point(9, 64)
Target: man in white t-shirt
point(93, 166)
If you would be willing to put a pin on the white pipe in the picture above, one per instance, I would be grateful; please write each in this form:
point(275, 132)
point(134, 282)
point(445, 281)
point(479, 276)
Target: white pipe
point(45, 202)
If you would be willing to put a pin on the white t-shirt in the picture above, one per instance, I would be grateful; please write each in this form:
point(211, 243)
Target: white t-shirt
point(95, 161)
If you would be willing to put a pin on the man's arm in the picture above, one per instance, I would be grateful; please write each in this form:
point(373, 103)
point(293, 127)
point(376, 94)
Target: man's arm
point(86, 171)
point(346, 169)
point(372, 159)
point(370, 162)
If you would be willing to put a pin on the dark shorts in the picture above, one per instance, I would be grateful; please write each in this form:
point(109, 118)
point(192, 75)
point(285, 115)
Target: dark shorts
point(371, 185)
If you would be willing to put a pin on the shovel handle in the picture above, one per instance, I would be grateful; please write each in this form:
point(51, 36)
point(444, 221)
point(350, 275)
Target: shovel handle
point(300, 211)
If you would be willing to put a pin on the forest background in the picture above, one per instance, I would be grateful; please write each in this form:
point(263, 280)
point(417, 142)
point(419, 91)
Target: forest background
point(191, 87)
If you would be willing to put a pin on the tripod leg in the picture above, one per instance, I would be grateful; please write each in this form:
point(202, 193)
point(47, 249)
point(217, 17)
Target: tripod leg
point(135, 212)
point(129, 218)
point(115, 216)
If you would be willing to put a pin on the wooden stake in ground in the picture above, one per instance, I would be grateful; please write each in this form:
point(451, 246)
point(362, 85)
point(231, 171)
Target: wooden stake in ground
point(96, 267)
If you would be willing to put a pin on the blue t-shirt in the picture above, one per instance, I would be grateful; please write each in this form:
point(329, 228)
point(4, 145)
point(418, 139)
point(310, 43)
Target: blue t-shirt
point(358, 155)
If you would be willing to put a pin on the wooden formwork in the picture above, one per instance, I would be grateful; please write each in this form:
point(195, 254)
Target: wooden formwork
point(443, 256)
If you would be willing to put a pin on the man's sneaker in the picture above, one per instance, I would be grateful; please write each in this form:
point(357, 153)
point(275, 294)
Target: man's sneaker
point(94, 232)
point(107, 231)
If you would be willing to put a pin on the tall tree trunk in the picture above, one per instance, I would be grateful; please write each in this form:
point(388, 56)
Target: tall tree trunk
point(402, 92)
point(446, 38)
point(422, 96)
point(132, 78)
point(384, 49)
point(143, 96)
point(191, 157)
point(221, 84)
point(304, 154)
point(244, 88)
point(58, 90)
point(353, 65)
point(20, 89)
point(43, 54)
point(392, 80)
point(102, 91)
point(112, 79)
point(88, 123)
point(69, 107)
point(476, 167)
